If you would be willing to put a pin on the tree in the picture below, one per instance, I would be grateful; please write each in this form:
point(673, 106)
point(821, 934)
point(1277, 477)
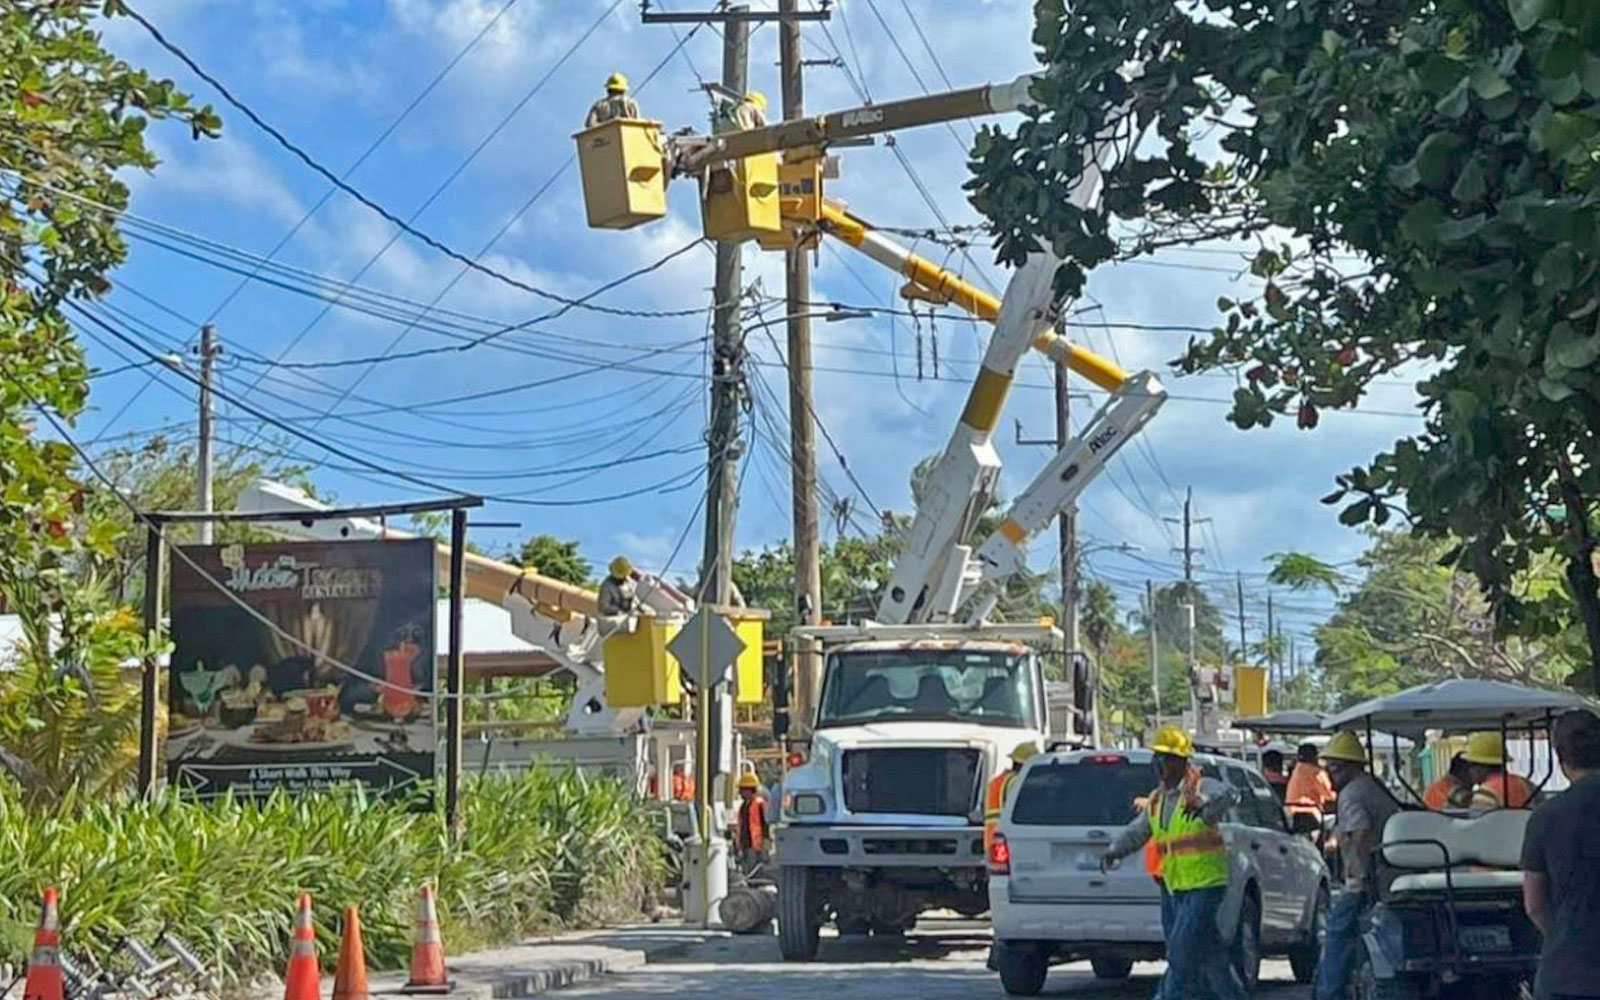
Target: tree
point(552, 557)
point(1420, 179)
point(1411, 620)
point(1299, 571)
point(72, 118)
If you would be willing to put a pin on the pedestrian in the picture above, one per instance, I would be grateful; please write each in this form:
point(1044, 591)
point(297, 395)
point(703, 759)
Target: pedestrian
point(616, 103)
point(1364, 806)
point(1310, 791)
point(995, 800)
point(1272, 770)
point(752, 832)
point(1561, 867)
point(1181, 816)
point(1493, 787)
point(1451, 790)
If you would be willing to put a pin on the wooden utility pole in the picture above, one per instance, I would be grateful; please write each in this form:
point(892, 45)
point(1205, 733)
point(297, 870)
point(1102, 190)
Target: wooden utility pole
point(802, 428)
point(209, 349)
point(1189, 551)
point(1272, 644)
point(1155, 659)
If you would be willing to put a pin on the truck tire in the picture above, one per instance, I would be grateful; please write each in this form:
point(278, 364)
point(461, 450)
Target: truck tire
point(1303, 957)
point(799, 922)
point(1022, 970)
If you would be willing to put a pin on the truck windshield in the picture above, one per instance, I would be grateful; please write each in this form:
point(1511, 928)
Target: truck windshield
point(995, 688)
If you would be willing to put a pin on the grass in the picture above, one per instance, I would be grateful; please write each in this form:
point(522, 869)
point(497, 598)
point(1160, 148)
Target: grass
point(546, 850)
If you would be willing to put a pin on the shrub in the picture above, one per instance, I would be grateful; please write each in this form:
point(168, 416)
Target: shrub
point(547, 850)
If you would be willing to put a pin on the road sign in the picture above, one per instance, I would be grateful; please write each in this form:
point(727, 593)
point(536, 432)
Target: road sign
point(706, 647)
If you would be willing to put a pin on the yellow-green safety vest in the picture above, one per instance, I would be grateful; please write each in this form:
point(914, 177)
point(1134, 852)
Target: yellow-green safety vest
point(1192, 853)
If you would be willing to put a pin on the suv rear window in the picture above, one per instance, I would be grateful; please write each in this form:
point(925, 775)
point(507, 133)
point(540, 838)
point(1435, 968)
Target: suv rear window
point(1081, 793)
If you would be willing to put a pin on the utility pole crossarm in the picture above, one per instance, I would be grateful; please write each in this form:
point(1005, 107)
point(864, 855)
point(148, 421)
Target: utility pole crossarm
point(861, 122)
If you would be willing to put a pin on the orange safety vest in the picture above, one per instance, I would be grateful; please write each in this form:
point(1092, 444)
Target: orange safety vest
point(752, 825)
point(993, 803)
point(1510, 791)
point(1446, 793)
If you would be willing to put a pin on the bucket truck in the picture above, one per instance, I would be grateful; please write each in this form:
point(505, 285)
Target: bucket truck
point(881, 814)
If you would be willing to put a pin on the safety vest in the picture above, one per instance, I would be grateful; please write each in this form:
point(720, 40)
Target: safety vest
point(752, 825)
point(1507, 791)
point(1191, 850)
point(993, 803)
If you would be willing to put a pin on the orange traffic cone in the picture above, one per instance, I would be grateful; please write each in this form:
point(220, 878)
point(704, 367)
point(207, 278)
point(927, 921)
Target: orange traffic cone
point(303, 979)
point(350, 980)
point(427, 950)
point(44, 966)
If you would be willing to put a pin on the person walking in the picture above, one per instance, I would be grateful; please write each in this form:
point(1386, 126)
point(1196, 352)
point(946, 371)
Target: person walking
point(616, 103)
point(1181, 816)
point(1493, 787)
point(1561, 867)
point(1364, 806)
point(1451, 790)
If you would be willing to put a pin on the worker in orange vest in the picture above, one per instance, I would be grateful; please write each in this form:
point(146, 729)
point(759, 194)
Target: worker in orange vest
point(995, 801)
point(1310, 790)
point(1452, 789)
point(752, 832)
point(1493, 787)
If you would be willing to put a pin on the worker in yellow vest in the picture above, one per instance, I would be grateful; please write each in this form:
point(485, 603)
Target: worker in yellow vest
point(1181, 818)
point(995, 800)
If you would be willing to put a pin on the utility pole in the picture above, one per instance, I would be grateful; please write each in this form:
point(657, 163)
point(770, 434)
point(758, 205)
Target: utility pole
point(1272, 645)
point(802, 429)
point(1155, 659)
point(1069, 521)
point(209, 349)
point(1244, 639)
point(1201, 723)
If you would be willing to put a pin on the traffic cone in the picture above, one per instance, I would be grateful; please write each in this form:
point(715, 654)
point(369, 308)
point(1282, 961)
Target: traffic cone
point(350, 980)
point(303, 979)
point(44, 966)
point(427, 950)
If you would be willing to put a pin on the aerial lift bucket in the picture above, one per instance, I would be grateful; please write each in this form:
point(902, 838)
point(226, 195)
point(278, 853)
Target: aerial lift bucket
point(739, 199)
point(800, 205)
point(624, 173)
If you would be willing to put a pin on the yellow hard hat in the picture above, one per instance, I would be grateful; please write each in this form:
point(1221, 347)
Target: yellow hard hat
point(750, 781)
point(1488, 749)
point(1174, 741)
point(1023, 752)
point(621, 568)
point(617, 82)
point(757, 98)
point(1345, 746)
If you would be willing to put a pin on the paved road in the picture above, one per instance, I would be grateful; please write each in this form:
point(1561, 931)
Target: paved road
point(945, 962)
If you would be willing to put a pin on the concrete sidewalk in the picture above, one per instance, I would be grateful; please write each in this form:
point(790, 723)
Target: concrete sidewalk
point(542, 964)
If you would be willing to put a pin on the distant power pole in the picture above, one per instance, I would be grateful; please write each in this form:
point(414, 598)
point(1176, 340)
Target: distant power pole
point(1272, 646)
point(209, 349)
point(1155, 660)
point(1244, 640)
point(1189, 551)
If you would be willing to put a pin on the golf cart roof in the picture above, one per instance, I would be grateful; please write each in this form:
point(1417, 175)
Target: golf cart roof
point(1456, 705)
point(1289, 722)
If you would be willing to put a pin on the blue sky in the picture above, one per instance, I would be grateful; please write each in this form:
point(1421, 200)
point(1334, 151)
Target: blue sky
point(495, 132)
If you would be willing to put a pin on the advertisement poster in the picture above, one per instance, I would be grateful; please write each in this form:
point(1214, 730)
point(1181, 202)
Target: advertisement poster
point(324, 676)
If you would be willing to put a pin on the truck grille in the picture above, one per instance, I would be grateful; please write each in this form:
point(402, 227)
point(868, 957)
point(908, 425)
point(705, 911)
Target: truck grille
point(936, 782)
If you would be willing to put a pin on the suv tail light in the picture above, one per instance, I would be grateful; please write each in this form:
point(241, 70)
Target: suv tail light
point(999, 855)
point(1107, 758)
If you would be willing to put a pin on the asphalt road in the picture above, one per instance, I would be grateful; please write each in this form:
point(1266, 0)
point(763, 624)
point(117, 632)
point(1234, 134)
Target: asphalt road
point(943, 960)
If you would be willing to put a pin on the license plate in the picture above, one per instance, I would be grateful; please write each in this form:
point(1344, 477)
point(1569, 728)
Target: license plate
point(1492, 938)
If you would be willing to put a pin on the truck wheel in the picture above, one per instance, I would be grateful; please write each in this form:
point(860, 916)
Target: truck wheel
point(1022, 969)
point(1303, 957)
point(799, 923)
point(1111, 966)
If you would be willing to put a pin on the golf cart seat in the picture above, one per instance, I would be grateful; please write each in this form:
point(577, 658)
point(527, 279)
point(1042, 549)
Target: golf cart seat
point(1440, 853)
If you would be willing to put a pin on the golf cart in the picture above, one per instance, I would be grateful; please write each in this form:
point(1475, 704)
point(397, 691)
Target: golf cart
point(1448, 919)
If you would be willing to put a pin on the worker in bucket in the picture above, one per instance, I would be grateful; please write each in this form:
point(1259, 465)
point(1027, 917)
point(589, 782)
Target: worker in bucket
point(618, 599)
point(1364, 806)
point(616, 103)
point(1182, 817)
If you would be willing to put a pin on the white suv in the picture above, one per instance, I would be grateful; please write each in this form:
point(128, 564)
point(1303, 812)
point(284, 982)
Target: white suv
point(1050, 902)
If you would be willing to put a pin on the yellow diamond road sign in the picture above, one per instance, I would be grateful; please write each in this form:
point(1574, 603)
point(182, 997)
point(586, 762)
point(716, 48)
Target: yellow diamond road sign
point(707, 646)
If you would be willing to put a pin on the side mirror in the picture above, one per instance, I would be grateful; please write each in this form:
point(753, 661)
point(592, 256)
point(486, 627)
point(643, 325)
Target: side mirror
point(1304, 823)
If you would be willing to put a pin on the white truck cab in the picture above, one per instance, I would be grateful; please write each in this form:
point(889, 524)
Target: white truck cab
point(884, 819)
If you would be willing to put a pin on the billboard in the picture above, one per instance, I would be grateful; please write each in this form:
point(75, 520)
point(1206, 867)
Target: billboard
point(301, 665)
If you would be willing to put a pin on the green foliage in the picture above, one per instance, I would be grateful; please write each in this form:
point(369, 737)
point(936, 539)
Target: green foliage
point(1122, 651)
point(548, 849)
point(853, 571)
point(552, 557)
point(1452, 148)
point(1412, 620)
point(1299, 571)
